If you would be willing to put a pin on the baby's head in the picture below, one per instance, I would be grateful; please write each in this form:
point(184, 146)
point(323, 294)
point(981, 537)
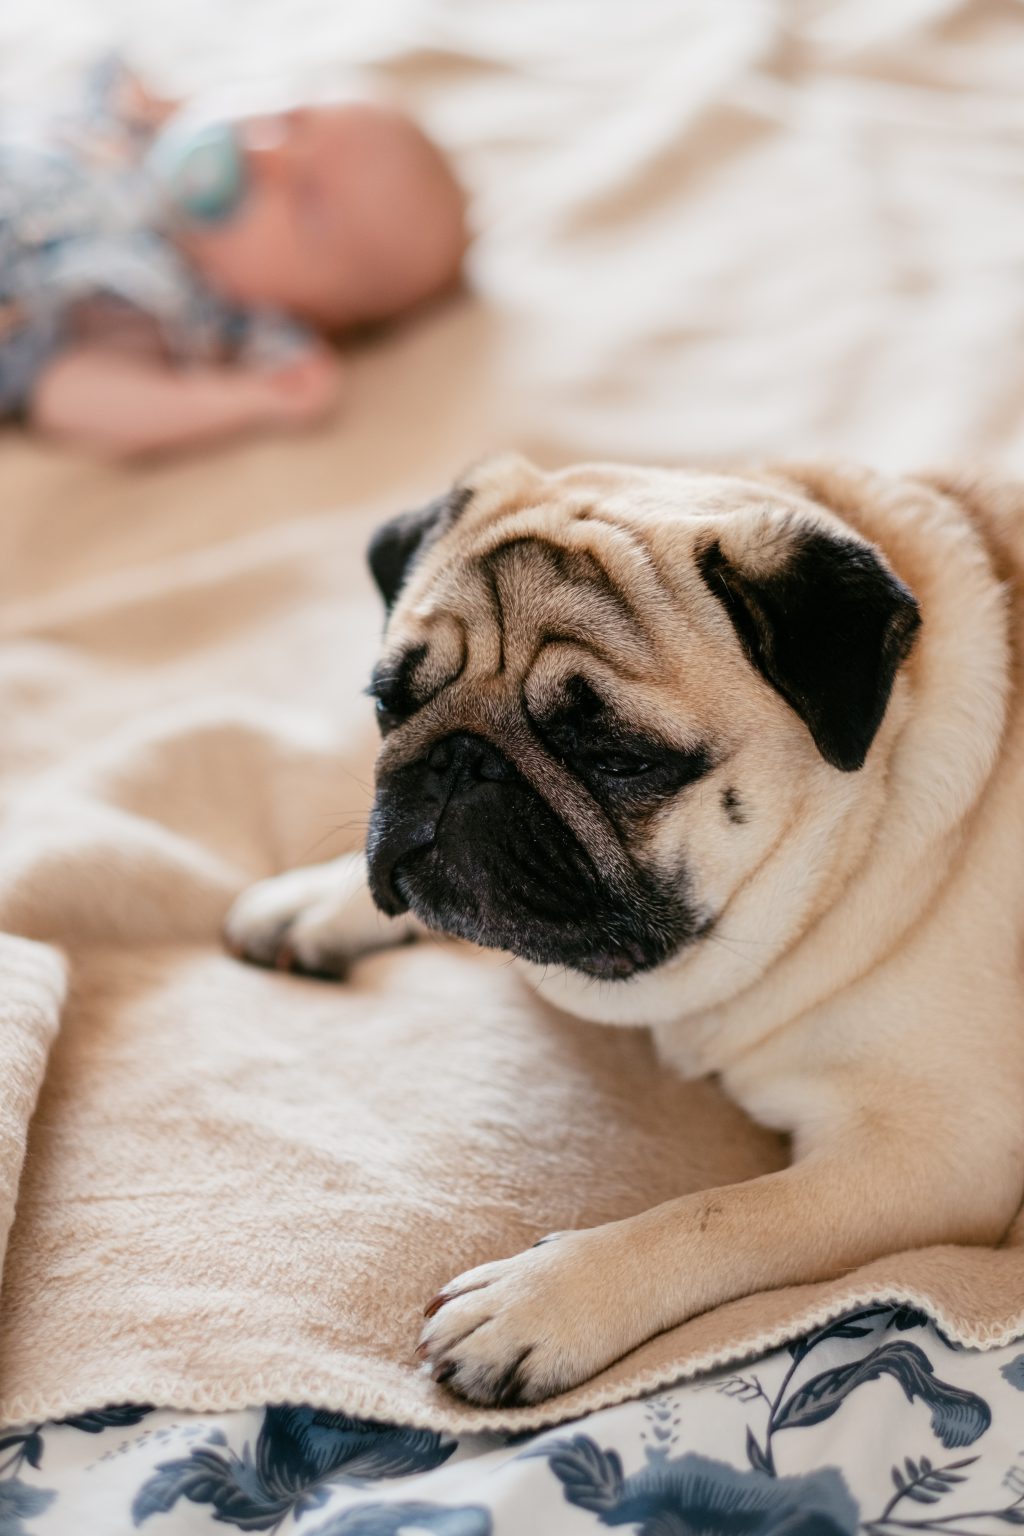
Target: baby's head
point(350, 214)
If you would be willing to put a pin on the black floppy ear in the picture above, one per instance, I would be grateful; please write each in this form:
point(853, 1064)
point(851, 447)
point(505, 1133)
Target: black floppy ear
point(828, 626)
point(396, 546)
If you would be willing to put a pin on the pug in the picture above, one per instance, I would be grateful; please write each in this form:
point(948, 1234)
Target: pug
point(739, 759)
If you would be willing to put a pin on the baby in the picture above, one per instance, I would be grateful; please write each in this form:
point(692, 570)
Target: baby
point(166, 280)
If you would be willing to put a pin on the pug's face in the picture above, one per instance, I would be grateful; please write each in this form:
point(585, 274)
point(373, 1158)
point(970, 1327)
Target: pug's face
point(620, 706)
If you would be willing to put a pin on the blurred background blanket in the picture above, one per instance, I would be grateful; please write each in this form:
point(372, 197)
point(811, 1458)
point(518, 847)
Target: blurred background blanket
point(707, 233)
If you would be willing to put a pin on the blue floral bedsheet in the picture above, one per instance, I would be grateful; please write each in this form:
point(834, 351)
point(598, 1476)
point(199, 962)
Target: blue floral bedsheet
point(874, 1423)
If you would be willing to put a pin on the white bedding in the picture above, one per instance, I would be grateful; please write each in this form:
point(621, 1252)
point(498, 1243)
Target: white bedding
point(875, 1424)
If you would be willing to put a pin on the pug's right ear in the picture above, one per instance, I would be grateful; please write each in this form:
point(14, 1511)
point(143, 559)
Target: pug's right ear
point(822, 618)
point(395, 548)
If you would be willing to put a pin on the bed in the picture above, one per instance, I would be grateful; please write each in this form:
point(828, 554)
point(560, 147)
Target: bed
point(705, 233)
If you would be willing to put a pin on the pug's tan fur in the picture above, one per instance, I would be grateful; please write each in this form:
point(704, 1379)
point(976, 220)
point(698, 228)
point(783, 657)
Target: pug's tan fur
point(861, 985)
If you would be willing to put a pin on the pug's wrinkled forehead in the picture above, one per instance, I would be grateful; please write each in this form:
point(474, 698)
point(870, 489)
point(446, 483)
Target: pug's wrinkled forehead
point(520, 586)
point(626, 582)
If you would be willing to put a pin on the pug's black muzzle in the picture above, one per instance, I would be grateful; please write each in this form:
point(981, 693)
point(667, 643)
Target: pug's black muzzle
point(462, 839)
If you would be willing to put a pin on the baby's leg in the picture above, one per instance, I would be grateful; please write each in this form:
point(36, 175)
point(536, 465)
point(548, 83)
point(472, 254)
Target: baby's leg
point(317, 919)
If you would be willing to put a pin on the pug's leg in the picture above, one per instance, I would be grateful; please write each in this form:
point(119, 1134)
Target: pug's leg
point(317, 919)
point(526, 1328)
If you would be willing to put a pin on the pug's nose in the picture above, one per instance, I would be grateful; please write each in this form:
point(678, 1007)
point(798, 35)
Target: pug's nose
point(463, 759)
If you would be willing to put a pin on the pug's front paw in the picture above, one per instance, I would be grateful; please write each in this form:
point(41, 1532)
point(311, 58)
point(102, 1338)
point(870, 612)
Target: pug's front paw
point(316, 920)
point(525, 1328)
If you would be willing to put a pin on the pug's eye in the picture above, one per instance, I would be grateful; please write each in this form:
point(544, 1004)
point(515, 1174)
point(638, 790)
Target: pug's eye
point(387, 718)
point(619, 765)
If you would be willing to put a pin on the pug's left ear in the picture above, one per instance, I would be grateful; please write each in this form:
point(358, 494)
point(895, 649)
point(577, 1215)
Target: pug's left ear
point(395, 548)
point(826, 623)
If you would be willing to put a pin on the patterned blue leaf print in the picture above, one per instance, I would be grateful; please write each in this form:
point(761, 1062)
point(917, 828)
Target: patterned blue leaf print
point(117, 1416)
point(207, 1477)
point(298, 1452)
point(18, 1503)
point(958, 1416)
point(1013, 1372)
point(592, 1478)
point(301, 1446)
point(687, 1494)
point(849, 1326)
point(30, 1447)
point(907, 1317)
point(394, 1519)
point(925, 1483)
point(755, 1455)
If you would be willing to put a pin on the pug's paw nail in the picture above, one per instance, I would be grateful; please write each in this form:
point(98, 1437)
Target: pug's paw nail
point(515, 1330)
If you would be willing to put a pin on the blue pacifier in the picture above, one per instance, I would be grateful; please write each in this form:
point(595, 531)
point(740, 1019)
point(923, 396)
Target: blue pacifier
point(199, 169)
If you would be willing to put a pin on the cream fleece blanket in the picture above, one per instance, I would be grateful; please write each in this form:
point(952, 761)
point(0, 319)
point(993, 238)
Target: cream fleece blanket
point(705, 231)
